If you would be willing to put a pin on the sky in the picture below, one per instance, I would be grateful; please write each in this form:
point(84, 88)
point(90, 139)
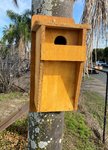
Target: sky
point(26, 4)
point(8, 5)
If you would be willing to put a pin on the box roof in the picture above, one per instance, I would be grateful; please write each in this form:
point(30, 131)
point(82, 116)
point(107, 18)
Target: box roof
point(55, 22)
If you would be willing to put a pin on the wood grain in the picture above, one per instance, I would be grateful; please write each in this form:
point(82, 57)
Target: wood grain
point(58, 86)
point(56, 69)
point(56, 22)
point(63, 52)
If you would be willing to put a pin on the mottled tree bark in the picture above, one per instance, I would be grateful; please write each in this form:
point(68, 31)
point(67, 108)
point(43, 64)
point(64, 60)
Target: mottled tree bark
point(62, 8)
point(46, 129)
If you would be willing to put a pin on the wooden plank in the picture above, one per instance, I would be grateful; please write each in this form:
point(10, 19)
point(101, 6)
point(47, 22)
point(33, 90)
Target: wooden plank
point(55, 22)
point(40, 37)
point(62, 52)
point(35, 67)
point(84, 37)
point(79, 73)
point(73, 26)
point(80, 37)
point(58, 86)
point(11, 119)
point(32, 75)
point(71, 36)
point(42, 40)
point(57, 68)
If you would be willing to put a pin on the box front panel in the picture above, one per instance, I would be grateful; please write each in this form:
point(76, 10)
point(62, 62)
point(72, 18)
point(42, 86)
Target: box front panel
point(58, 86)
point(72, 37)
point(52, 52)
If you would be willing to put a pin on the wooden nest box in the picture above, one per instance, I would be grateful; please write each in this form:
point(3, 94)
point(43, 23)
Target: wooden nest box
point(57, 62)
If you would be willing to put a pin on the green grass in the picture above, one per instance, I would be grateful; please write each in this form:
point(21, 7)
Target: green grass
point(81, 133)
point(78, 134)
point(19, 127)
point(94, 103)
point(83, 136)
point(76, 123)
point(10, 96)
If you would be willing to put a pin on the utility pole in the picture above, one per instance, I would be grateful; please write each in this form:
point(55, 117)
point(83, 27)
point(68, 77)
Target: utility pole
point(46, 129)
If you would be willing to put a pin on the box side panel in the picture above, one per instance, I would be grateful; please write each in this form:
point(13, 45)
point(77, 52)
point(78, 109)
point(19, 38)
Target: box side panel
point(80, 37)
point(58, 86)
point(32, 76)
point(35, 70)
point(79, 73)
point(37, 66)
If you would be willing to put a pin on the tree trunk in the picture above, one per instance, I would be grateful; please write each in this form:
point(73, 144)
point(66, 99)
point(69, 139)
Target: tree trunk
point(46, 129)
point(62, 8)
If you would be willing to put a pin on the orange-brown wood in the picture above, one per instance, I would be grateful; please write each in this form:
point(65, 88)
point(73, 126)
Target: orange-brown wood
point(61, 22)
point(37, 66)
point(73, 37)
point(79, 73)
point(63, 52)
point(32, 78)
point(57, 68)
point(84, 37)
point(58, 86)
point(37, 37)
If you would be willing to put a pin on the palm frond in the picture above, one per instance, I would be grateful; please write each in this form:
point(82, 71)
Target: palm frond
point(96, 14)
point(15, 2)
point(13, 16)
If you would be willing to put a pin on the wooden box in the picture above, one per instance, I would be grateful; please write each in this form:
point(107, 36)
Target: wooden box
point(57, 61)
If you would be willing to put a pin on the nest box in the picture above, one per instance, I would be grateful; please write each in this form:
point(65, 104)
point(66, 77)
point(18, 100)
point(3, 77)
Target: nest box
point(57, 61)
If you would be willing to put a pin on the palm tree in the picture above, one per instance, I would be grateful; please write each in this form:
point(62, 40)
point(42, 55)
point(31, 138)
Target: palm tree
point(8, 34)
point(18, 32)
point(95, 14)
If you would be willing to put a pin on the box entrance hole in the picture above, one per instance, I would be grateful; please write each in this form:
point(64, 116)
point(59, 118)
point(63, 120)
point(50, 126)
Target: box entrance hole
point(60, 40)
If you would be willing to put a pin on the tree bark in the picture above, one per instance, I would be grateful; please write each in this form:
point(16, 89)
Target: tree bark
point(62, 8)
point(46, 129)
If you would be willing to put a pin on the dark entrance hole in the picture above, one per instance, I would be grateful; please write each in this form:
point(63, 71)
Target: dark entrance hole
point(60, 40)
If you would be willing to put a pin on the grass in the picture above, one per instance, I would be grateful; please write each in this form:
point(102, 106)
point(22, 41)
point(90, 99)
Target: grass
point(11, 95)
point(19, 127)
point(81, 133)
point(15, 136)
point(78, 134)
point(76, 124)
point(82, 136)
point(94, 103)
